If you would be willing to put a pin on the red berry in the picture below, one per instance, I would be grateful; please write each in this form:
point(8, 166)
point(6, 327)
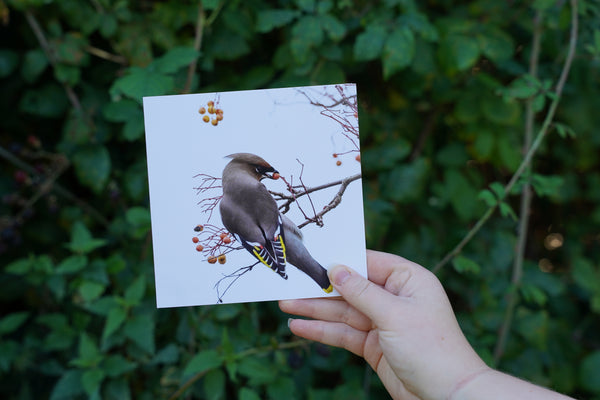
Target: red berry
point(338, 163)
point(357, 158)
point(212, 259)
point(199, 247)
point(202, 110)
point(335, 155)
point(276, 176)
point(223, 236)
point(195, 239)
point(226, 240)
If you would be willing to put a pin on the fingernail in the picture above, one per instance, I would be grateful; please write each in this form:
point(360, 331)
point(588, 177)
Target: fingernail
point(339, 275)
point(289, 321)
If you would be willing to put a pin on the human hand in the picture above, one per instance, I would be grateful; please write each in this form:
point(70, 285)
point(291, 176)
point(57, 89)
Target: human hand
point(400, 321)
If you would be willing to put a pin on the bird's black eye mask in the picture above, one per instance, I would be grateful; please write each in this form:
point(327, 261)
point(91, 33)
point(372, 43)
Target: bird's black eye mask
point(265, 171)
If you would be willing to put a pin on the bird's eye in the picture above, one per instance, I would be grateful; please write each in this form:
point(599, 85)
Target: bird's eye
point(259, 170)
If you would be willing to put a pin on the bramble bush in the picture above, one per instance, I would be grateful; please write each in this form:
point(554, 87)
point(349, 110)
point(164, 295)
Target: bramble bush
point(479, 130)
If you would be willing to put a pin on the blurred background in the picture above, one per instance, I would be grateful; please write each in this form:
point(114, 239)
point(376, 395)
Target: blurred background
point(452, 95)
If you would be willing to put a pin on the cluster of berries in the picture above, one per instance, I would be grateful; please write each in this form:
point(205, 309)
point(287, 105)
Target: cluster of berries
point(339, 162)
point(223, 239)
point(210, 108)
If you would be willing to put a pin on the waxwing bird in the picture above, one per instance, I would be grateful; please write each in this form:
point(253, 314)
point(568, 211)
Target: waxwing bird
point(250, 214)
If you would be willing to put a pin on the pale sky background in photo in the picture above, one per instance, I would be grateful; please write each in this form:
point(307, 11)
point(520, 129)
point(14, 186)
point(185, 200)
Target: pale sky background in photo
point(278, 125)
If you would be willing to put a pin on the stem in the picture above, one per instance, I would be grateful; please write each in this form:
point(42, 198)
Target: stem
point(39, 34)
point(534, 146)
point(197, 44)
point(517, 271)
point(54, 187)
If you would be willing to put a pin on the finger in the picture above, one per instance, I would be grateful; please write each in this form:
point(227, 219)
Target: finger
point(330, 333)
point(365, 296)
point(333, 310)
point(395, 273)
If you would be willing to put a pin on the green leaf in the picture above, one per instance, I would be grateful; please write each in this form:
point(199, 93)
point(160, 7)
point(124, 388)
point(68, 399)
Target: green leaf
point(248, 394)
point(139, 219)
point(307, 33)
point(20, 267)
point(214, 385)
point(115, 318)
point(133, 129)
point(68, 74)
point(12, 322)
point(81, 239)
point(369, 44)
point(496, 45)
point(116, 365)
point(142, 82)
point(398, 51)
point(564, 131)
point(385, 156)
point(168, 355)
point(91, 290)
point(92, 166)
point(268, 20)
point(122, 111)
point(282, 388)
point(91, 380)
point(174, 59)
point(507, 211)
point(89, 355)
point(547, 185)
point(334, 28)
point(49, 101)
point(34, 63)
point(463, 264)
point(488, 197)
point(68, 386)
point(9, 353)
point(8, 62)
point(203, 361)
point(407, 181)
point(72, 264)
point(588, 373)
point(140, 330)
point(135, 292)
point(533, 294)
point(258, 371)
point(459, 52)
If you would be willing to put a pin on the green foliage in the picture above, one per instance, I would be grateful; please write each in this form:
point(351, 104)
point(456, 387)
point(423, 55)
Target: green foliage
point(443, 89)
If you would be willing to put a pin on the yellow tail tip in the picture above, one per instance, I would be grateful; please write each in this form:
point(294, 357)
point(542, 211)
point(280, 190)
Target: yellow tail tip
point(329, 289)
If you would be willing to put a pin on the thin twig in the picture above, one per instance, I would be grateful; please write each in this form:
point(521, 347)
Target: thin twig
point(337, 199)
point(197, 44)
point(55, 187)
point(517, 271)
point(534, 146)
point(39, 34)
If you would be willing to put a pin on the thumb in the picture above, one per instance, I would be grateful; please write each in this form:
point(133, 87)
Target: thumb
point(367, 297)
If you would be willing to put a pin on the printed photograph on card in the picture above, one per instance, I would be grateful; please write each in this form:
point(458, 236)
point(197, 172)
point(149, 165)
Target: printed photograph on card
point(253, 194)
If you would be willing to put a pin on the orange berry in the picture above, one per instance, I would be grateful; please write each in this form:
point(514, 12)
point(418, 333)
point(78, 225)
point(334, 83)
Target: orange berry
point(202, 110)
point(210, 103)
point(195, 239)
point(211, 110)
point(199, 247)
point(338, 163)
point(219, 117)
point(214, 122)
point(199, 228)
point(223, 236)
point(357, 158)
point(276, 176)
point(226, 240)
point(222, 259)
point(219, 111)
point(206, 118)
point(335, 155)
point(212, 259)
